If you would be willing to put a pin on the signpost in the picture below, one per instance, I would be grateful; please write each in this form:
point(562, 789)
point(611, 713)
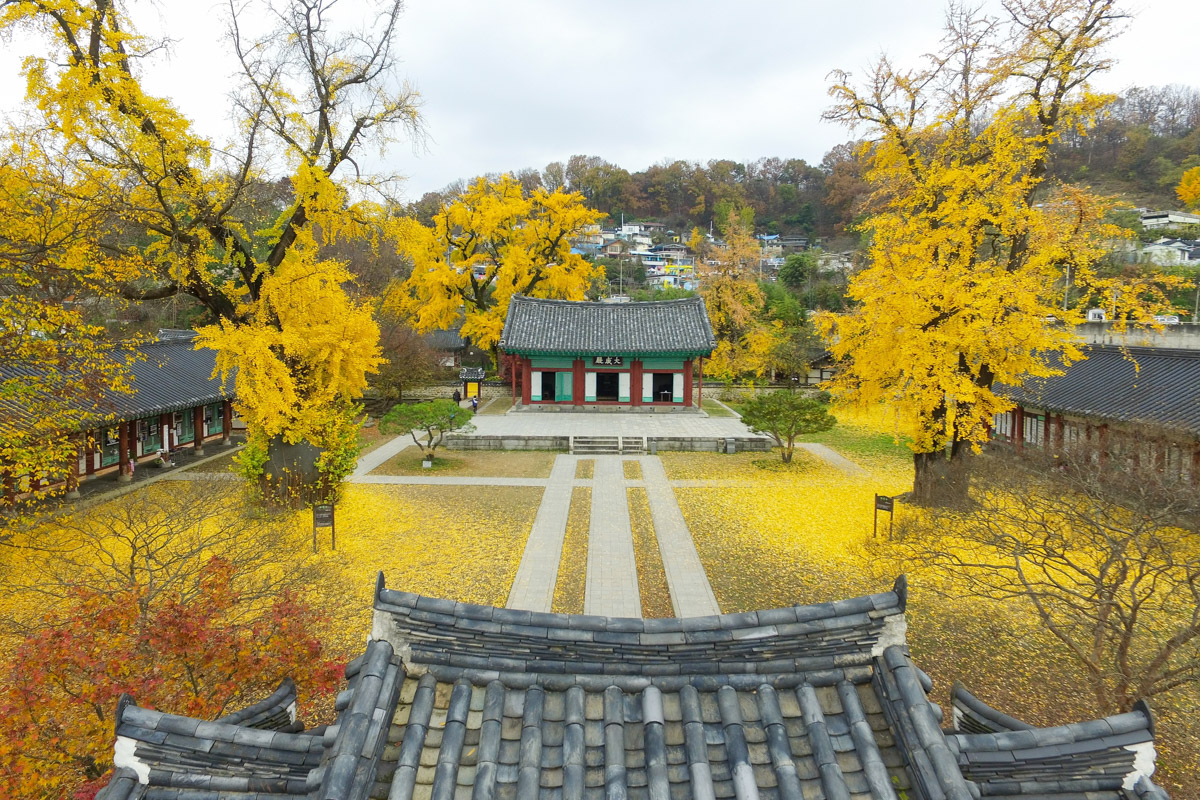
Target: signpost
point(323, 518)
point(888, 504)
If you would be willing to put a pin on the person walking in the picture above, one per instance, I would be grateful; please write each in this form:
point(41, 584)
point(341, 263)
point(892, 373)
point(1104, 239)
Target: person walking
point(475, 403)
point(457, 397)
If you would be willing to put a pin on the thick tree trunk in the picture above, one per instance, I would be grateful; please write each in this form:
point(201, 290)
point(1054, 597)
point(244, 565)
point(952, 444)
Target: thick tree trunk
point(290, 476)
point(942, 480)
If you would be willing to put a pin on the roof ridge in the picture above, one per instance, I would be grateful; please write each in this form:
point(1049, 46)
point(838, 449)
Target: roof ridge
point(1168, 352)
point(804, 638)
point(554, 301)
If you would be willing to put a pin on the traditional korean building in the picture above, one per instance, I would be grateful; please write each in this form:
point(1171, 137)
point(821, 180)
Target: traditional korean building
point(454, 701)
point(175, 402)
point(1139, 403)
point(619, 354)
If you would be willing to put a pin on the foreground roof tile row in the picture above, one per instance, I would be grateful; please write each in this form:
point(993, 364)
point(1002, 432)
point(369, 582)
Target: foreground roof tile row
point(454, 701)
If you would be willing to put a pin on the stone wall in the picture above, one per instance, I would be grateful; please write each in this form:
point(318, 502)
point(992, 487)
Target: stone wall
point(658, 443)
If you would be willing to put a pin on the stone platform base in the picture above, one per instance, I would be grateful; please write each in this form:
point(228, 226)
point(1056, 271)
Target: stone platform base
point(707, 444)
point(622, 409)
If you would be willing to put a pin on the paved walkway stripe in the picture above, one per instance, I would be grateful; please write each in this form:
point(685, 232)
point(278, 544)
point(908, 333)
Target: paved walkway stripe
point(449, 480)
point(832, 457)
point(691, 593)
point(612, 586)
point(533, 588)
point(385, 451)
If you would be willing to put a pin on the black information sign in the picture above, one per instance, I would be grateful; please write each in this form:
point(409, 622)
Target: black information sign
point(323, 518)
point(888, 504)
point(608, 361)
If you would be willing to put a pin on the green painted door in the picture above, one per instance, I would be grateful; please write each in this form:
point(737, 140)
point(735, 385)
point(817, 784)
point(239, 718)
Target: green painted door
point(562, 386)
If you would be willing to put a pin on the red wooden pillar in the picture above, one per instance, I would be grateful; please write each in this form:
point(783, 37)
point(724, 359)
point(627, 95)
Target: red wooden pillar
point(1018, 432)
point(124, 445)
point(1159, 449)
point(1103, 445)
point(198, 430)
point(526, 379)
point(578, 382)
point(1046, 431)
point(89, 453)
point(635, 380)
point(1195, 470)
point(73, 470)
point(512, 376)
point(687, 382)
point(10, 485)
point(226, 420)
point(700, 390)
point(166, 425)
point(1058, 433)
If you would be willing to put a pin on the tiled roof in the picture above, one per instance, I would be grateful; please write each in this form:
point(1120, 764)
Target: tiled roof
point(678, 327)
point(1097, 760)
point(169, 374)
point(1146, 385)
point(460, 701)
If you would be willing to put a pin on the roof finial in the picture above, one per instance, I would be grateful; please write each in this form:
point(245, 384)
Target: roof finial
point(900, 587)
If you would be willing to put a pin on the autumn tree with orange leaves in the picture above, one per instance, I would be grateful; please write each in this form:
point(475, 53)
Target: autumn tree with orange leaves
point(971, 246)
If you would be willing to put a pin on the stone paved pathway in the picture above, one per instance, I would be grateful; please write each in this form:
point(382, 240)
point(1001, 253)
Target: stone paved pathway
point(533, 588)
point(583, 423)
point(832, 457)
point(387, 450)
point(691, 593)
point(612, 586)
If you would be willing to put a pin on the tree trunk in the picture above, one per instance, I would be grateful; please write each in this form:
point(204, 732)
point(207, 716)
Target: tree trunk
point(290, 476)
point(941, 480)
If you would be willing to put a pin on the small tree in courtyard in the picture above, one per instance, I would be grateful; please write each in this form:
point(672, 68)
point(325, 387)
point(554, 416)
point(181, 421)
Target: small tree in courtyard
point(783, 416)
point(429, 422)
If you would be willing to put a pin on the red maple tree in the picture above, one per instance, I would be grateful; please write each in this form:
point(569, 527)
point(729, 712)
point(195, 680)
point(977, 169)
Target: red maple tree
point(204, 658)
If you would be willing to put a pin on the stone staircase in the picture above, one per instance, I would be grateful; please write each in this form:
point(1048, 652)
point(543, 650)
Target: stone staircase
point(607, 445)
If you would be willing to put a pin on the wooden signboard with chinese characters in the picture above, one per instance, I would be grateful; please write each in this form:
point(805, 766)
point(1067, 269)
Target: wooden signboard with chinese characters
point(323, 518)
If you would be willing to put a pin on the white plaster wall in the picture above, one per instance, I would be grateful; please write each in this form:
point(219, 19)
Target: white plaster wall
point(535, 388)
point(677, 387)
point(623, 386)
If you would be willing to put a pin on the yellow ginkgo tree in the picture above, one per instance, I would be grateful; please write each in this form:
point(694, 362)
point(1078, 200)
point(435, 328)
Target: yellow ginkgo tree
point(971, 247)
point(185, 214)
point(735, 303)
point(490, 243)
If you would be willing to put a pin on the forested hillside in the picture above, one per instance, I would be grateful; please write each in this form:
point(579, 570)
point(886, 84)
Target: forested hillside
point(1137, 149)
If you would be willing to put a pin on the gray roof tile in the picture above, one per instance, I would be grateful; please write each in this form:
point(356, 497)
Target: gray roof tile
point(536, 326)
point(1142, 385)
point(745, 705)
point(168, 374)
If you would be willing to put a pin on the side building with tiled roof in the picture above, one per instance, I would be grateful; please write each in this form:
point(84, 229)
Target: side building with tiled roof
point(593, 354)
point(174, 402)
point(1139, 402)
point(455, 701)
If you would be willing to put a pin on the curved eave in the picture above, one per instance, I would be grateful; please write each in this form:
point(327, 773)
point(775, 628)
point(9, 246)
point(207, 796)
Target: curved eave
point(789, 641)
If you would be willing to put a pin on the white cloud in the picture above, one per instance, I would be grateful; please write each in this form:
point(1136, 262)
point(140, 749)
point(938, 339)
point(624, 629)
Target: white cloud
point(525, 82)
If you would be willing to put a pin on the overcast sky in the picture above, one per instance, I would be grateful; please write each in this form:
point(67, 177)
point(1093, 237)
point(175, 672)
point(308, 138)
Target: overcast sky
point(521, 83)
